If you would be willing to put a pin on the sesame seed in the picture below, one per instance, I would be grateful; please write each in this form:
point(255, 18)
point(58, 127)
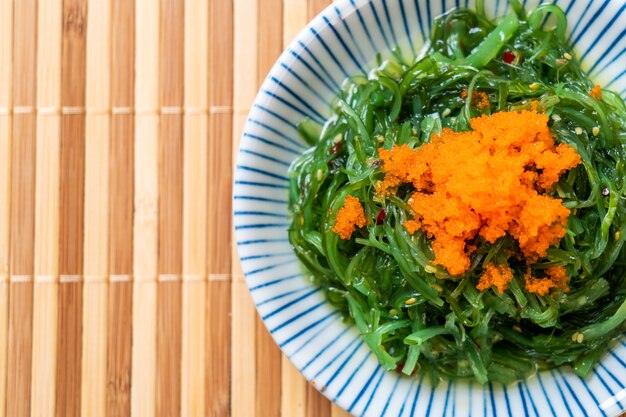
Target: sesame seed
point(595, 131)
point(617, 235)
point(567, 56)
point(437, 287)
point(578, 337)
point(516, 328)
point(338, 138)
point(533, 86)
point(579, 131)
point(410, 301)
point(430, 269)
point(556, 117)
point(561, 62)
point(319, 174)
point(446, 112)
point(380, 139)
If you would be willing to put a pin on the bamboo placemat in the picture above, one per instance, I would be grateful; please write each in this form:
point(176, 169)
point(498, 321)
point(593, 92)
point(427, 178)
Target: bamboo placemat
point(120, 290)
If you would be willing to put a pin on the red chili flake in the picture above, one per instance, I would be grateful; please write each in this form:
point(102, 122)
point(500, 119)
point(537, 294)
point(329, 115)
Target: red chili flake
point(335, 148)
point(380, 219)
point(508, 57)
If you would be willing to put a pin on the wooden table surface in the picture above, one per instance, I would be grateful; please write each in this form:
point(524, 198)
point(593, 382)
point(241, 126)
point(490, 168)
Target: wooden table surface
point(120, 292)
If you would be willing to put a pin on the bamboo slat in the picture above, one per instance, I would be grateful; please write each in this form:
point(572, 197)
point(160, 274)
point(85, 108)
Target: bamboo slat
point(293, 391)
point(316, 404)
point(146, 138)
point(96, 250)
point(97, 145)
point(119, 333)
point(120, 308)
point(73, 136)
point(20, 345)
point(220, 102)
point(71, 231)
point(171, 144)
point(270, 36)
point(6, 59)
point(293, 384)
point(94, 353)
point(22, 200)
point(195, 187)
point(23, 146)
point(69, 349)
point(145, 236)
point(169, 296)
point(337, 411)
point(244, 316)
point(4, 330)
point(294, 19)
point(269, 45)
point(219, 342)
point(122, 127)
point(193, 383)
point(143, 374)
point(170, 210)
point(48, 148)
point(316, 7)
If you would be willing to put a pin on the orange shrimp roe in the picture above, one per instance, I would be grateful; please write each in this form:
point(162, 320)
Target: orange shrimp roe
point(486, 182)
point(495, 276)
point(555, 278)
point(480, 99)
point(349, 217)
point(596, 92)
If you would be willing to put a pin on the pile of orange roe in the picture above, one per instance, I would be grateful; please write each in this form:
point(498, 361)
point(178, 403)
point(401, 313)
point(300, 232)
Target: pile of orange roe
point(480, 99)
point(488, 182)
point(349, 217)
point(596, 92)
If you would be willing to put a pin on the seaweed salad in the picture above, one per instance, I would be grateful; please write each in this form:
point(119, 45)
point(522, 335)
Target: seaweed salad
point(466, 209)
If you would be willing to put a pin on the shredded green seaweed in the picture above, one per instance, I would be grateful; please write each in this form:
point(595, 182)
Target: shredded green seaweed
point(412, 314)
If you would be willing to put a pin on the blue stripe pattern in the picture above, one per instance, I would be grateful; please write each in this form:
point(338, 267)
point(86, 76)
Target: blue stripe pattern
point(344, 40)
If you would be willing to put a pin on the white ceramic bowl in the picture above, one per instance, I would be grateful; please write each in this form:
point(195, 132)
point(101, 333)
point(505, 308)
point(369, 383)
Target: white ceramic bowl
point(341, 42)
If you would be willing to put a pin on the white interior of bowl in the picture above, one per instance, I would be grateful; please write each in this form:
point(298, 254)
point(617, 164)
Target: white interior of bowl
point(343, 41)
